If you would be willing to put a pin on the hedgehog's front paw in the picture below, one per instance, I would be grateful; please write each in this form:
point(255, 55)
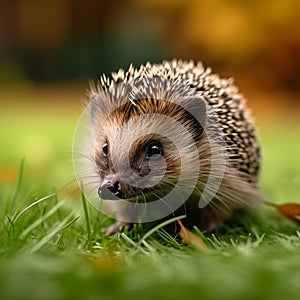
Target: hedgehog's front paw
point(114, 228)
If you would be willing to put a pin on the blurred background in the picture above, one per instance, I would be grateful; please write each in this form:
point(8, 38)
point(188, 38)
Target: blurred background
point(50, 49)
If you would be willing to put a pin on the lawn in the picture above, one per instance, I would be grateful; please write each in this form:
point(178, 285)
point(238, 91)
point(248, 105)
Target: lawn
point(52, 246)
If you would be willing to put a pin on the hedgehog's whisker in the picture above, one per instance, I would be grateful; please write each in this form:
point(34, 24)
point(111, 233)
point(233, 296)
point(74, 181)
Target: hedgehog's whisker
point(145, 202)
point(86, 177)
point(89, 157)
point(163, 201)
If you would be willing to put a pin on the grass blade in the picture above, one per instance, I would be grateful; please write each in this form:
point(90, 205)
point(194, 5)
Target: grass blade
point(42, 219)
point(19, 182)
point(87, 219)
point(31, 205)
point(60, 226)
point(161, 225)
point(127, 239)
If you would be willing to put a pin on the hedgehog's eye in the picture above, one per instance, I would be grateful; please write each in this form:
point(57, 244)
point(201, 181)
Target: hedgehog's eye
point(154, 150)
point(105, 149)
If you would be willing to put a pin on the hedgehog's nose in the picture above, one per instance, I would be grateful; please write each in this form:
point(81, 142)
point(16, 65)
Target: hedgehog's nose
point(110, 190)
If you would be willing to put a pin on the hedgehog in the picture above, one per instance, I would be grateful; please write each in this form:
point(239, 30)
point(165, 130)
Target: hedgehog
point(172, 139)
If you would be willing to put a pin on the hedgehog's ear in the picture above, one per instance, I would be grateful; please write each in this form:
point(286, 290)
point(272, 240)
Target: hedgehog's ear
point(197, 107)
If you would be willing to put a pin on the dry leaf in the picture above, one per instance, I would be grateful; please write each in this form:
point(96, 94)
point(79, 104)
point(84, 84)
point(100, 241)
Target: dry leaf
point(290, 211)
point(191, 238)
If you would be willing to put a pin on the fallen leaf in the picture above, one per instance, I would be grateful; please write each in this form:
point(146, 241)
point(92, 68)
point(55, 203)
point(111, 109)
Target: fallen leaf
point(290, 211)
point(191, 238)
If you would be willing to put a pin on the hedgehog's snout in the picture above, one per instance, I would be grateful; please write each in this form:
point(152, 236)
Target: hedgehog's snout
point(110, 189)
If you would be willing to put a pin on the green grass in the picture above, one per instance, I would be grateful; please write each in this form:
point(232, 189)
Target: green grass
point(52, 246)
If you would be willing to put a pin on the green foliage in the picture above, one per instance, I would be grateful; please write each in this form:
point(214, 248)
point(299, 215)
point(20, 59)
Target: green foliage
point(51, 251)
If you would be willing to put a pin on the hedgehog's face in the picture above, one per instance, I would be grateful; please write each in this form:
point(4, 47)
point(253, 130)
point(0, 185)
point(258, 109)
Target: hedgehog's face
point(140, 148)
point(144, 167)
